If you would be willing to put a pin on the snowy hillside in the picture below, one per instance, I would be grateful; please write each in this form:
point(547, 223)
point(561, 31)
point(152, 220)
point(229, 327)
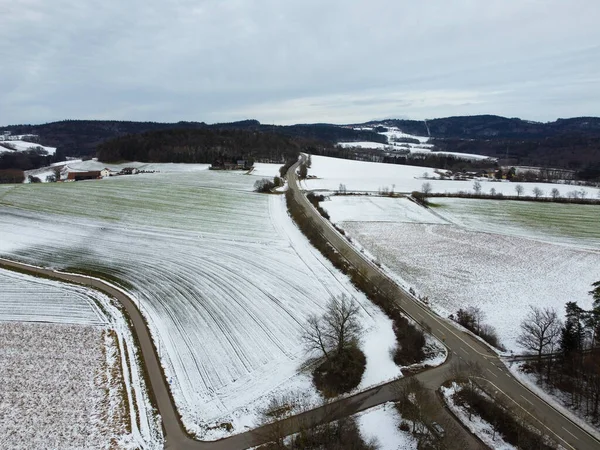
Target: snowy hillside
point(19, 146)
point(400, 142)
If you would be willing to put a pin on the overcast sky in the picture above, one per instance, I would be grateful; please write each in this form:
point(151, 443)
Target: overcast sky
point(289, 61)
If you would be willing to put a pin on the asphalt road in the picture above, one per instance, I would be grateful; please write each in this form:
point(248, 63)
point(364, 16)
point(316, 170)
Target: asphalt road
point(463, 346)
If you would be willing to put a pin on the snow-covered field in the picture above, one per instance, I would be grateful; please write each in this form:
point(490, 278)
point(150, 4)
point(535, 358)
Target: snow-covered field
point(381, 424)
point(360, 176)
point(19, 146)
point(569, 224)
point(224, 277)
point(395, 142)
point(500, 263)
point(69, 375)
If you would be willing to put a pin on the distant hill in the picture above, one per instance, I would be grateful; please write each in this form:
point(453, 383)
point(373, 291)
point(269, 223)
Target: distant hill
point(565, 143)
point(82, 137)
point(493, 127)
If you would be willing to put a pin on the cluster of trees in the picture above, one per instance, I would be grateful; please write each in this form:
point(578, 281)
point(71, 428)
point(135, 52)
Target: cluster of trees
point(472, 318)
point(284, 427)
point(204, 146)
point(568, 354)
point(419, 405)
point(509, 423)
point(569, 151)
point(26, 160)
point(448, 162)
point(335, 336)
point(266, 185)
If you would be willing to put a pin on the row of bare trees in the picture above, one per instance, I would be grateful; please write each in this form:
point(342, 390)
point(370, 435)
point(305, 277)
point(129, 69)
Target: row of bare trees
point(567, 354)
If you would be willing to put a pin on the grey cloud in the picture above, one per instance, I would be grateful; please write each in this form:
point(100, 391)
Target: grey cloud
point(297, 61)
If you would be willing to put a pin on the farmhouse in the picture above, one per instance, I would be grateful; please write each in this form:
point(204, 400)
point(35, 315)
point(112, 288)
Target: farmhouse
point(105, 173)
point(78, 176)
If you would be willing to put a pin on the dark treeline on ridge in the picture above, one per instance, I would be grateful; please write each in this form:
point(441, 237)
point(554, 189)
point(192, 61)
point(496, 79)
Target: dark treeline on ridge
point(81, 138)
point(206, 146)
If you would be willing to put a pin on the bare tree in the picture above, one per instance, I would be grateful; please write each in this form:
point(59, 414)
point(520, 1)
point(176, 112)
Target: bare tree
point(493, 192)
point(341, 322)
point(477, 187)
point(555, 193)
point(336, 330)
point(540, 331)
point(314, 336)
point(537, 192)
point(519, 188)
point(426, 188)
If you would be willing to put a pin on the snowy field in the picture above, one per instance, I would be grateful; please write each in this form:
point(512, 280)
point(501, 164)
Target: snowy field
point(19, 146)
point(381, 424)
point(395, 137)
point(569, 224)
point(500, 263)
point(360, 176)
point(66, 382)
point(225, 280)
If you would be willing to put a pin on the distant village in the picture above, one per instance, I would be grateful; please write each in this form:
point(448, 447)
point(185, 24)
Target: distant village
point(221, 163)
point(97, 174)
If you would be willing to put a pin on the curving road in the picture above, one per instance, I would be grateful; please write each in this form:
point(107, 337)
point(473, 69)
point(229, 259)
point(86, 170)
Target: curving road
point(176, 437)
point(462, 345)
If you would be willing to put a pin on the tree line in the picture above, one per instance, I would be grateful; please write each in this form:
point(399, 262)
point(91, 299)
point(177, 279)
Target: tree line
point(204, 146)
point(567, 355)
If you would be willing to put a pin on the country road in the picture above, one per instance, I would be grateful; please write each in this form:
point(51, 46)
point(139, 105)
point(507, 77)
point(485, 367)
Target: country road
point(176, 438)
point(462, 345)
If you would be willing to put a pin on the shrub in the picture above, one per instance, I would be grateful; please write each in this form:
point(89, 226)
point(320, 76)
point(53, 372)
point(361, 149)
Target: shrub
point(341, 373)
point(263, 185)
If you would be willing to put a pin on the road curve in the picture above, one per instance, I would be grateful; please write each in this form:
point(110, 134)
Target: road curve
point(462, 345)
point(176, 437)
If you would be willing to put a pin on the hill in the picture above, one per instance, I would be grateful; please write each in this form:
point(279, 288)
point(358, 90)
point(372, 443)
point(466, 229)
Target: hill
point(493, 127)
point(82, 137)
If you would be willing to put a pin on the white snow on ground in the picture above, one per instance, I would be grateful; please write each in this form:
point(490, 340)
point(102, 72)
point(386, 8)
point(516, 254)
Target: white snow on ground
point(394, 133)
point(361, 176)
point(558, 399)
point(20, 146)
point(225, 280)
point(500, 274)
point(266, 170)
point(479, 427)
point(511, 255)
point(70, 397)
point(28, 299)
point(558, 223)
point(381, 425)
point(367, 208)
